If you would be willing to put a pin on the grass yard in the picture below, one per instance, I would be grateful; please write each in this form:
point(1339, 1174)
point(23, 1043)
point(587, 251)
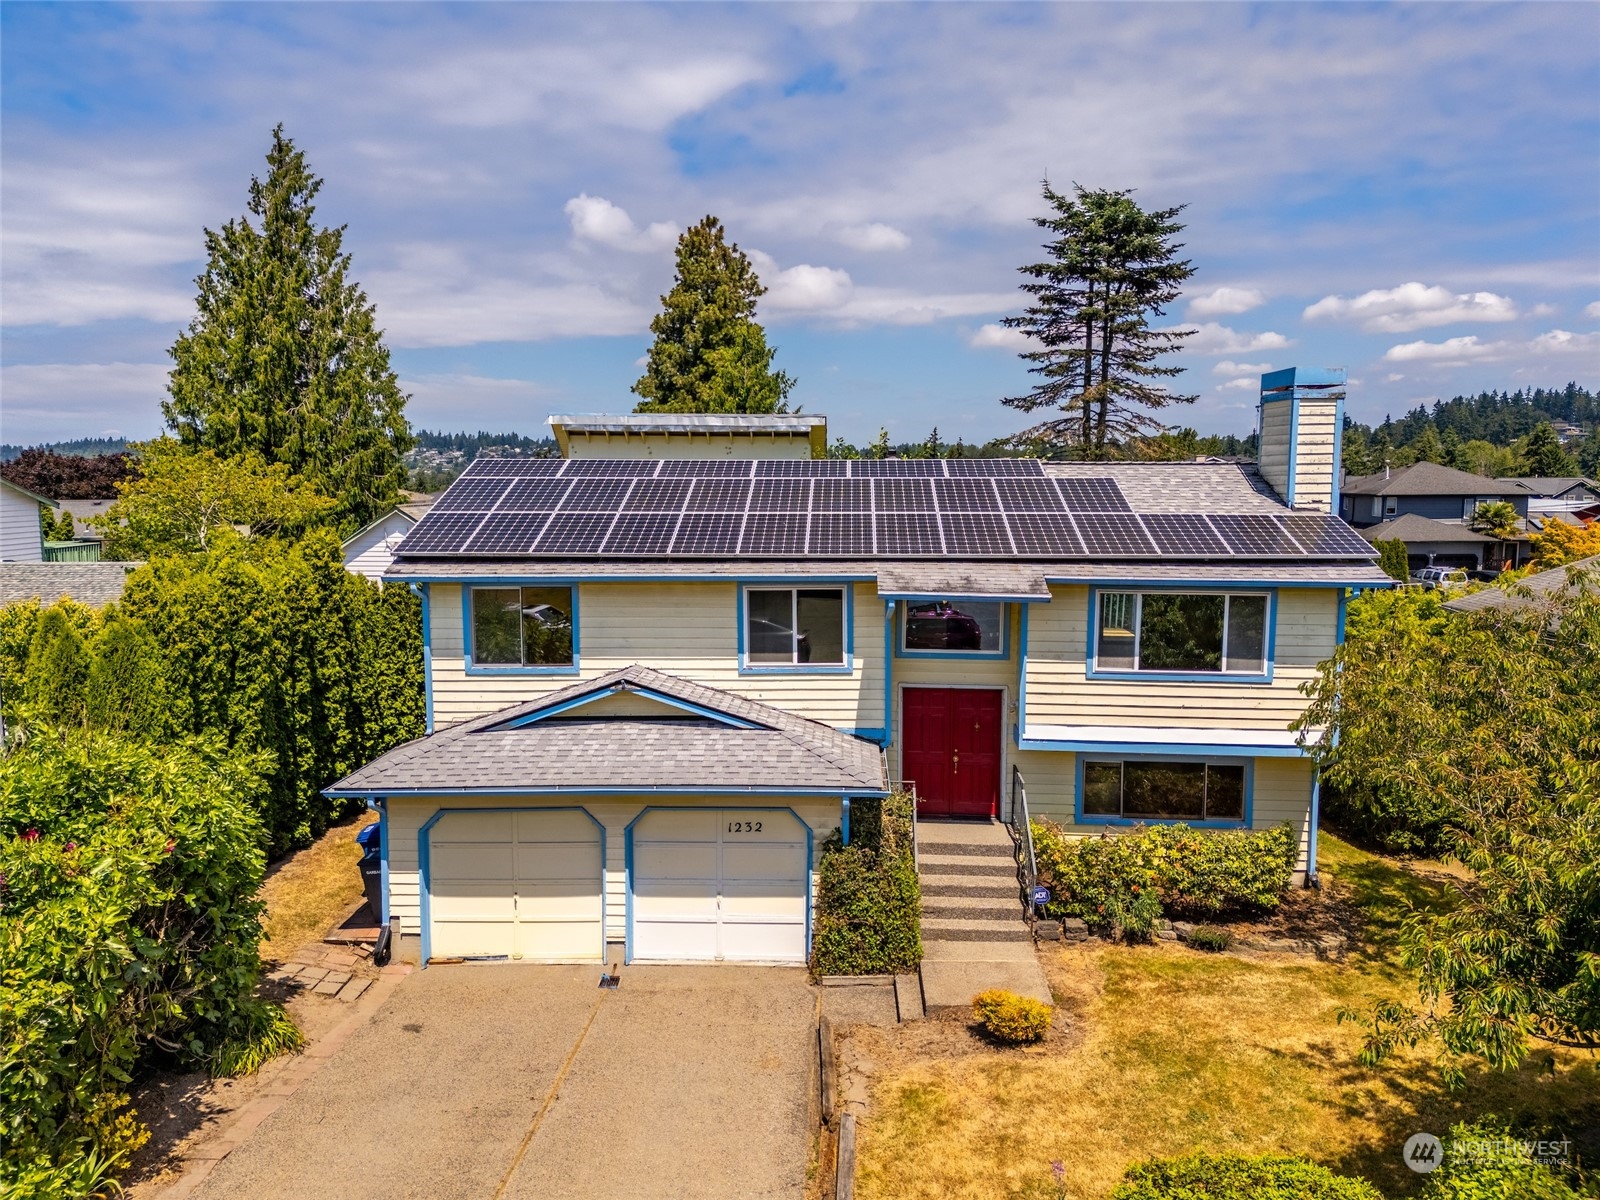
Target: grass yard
point(1171, 1049)
point(312, 888)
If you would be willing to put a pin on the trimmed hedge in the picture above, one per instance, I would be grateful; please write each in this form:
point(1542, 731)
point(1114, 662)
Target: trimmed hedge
point(869, 919)
point(1239, 1177)
point(1126, 882)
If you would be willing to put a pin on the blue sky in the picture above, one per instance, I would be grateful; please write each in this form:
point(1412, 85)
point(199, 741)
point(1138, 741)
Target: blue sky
point(1412, 192)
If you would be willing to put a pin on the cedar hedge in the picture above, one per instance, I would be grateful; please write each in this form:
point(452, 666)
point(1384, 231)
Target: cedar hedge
point(1239, 1177)
point(869, 919)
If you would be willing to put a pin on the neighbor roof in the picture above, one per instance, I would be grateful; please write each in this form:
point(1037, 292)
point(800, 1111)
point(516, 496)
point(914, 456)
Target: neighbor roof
point(1412, 528)
point(493, 754)
point(91, 583)
point(1431, 479)
point(17, 487)
point(1529, 591)
point(1553, 485)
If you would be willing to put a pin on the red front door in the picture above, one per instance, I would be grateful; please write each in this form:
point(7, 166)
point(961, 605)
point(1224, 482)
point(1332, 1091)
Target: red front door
point(950, 748)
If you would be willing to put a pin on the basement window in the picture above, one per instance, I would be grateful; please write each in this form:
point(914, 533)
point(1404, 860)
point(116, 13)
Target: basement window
point(1159, 790)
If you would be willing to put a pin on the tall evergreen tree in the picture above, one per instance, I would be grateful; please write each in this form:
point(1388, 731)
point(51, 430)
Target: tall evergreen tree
point(1454, 456)
point(710, 355)
point(1428, 447)
point(58, 669)
point(126, 687)
point(1543, 454)
point(1111, 267)
point(284, 357)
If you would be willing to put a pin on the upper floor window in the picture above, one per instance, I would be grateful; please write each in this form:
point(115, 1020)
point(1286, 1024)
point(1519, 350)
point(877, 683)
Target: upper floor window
point(787, 627)
point(1182, 632)
point(954, 626)
point(522, 626)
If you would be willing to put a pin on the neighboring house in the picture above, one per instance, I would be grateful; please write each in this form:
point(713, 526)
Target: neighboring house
point(1432, 543)
point(1529, 591)
point(654, 688)
point(1425, 490)
point(93, 583)
point(691, 435)
point(370, 550)
point(21, 537)
point(1572, 488)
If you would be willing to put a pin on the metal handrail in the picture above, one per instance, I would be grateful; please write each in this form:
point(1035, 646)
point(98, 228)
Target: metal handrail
point(1022, 832)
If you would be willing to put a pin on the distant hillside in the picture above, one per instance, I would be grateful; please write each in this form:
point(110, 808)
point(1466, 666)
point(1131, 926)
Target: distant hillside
point(78, 447)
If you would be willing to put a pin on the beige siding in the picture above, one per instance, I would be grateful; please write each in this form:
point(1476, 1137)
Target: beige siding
point(408, 815)
point(1275, 421)
point(685, 629)
point(1317, 438)
point(687, 445)
point(1059, 691)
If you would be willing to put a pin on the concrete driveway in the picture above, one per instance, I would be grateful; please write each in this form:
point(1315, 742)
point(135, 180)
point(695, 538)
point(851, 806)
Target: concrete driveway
point(685, 1081)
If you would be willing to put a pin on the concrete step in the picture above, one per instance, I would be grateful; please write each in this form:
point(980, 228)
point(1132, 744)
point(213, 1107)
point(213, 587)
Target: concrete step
point(965, 864)
point(988, 832)
point(962, 910)
point(966, 929)
point(971, 887)
point(952, 983)
point(968, 849)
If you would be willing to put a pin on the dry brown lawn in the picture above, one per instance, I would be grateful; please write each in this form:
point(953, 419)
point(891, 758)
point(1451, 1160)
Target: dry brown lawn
point(312, 888)
point(1175, 1050)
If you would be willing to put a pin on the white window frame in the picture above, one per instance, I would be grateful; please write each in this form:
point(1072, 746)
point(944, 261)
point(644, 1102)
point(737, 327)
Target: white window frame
point(1001, 651)
point(1264, 671)
point(748, 664)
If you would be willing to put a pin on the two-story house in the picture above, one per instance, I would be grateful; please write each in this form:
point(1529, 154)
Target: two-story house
point(654, 686)
point(1428, 507)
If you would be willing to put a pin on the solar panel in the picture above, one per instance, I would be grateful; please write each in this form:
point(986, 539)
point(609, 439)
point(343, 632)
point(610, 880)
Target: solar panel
point(441, 533)
point(844, 535)
point(596, 495)
point(1255, 535)
point(896, 468)
point(1183, 533)
point(534, 495)
point(774, 533)
point(982, 534)
point(1093, 495)
point(610, 468)
point(657, 495)
point(994, 467)
point(902, 495)
point(1029, 495)
point(719, 495)
point(1325, 535)
point(781, 495)
point(804, 468)
point(641, 533)
point(507, 533)
point(1113, 533)
point(1043, 534)
point(517, 468)
point(708, 534)
point(573, 533)
point(478, 495)
point(704, 468)
point(908, 533)
point(966, 495)
point(841, 495)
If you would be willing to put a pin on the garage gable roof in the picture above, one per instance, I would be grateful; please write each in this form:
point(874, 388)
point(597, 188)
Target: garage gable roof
point(713, 742)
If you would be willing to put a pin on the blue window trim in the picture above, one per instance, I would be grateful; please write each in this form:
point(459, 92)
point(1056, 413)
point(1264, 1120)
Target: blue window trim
point(427, 656)
point(1000, 655)
point(627, 854)
point(1123, 676)
point(864, 733)
point(1022, 677)
point(698, 710)
point(891, 610)
point(1080, 818)
point(847, 586)
point(425, 865)
point(495, 669)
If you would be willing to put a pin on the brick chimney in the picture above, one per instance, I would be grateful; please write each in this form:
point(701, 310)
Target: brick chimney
point(1301, 417)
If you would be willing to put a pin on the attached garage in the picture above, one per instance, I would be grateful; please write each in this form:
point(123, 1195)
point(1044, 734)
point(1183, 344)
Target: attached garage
point(719, 885)
point(518, 884)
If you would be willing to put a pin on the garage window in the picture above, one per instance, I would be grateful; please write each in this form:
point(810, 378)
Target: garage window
point(522, 626)
point(794, 627)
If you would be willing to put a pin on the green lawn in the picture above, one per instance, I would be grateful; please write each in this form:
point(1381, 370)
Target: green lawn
point(1180, 1050)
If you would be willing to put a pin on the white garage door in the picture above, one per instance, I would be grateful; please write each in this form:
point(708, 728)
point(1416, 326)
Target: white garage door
point(523, 885)
point(719, 884)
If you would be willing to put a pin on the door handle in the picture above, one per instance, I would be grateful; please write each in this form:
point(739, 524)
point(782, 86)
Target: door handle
point(956, 755)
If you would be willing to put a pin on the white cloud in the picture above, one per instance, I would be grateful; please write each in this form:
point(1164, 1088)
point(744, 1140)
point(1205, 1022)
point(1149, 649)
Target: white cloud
point(999, 337)
point(1393, 377)
point(1212, 338)
point(873, 237)
point(1239, 385)
point(1226, 302)
point(1592, 310)
point(1227, 367)
point(596, 219)
point(1455, 351)
point(808, 289)
point(44, 399)
point(1412, 306)
point(438, 400)
point(1559, 341)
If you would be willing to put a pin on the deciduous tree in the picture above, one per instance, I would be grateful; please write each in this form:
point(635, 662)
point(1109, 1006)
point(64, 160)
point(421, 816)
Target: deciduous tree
point(1559, 543)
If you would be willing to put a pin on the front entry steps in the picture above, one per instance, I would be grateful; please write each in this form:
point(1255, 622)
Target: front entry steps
point(974, 936)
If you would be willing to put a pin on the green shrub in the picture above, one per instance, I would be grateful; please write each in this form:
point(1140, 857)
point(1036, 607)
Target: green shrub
point(1126, 881)
point(1239, 1177)
point(127, 688)
point(58, 668)
point(869, 919)
point(1472, 1170)
point(1210, 938)
point(1010, 1018)
point(128, 922)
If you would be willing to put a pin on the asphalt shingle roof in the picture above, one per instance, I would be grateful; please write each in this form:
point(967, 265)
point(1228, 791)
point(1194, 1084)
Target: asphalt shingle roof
point(1431, 479)
point(1530, 591)
point(785, 752)
point(91, 583)
point(1412, 528)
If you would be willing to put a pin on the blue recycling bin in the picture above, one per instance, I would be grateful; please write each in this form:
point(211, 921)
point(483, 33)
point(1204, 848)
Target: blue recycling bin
point(372, 869)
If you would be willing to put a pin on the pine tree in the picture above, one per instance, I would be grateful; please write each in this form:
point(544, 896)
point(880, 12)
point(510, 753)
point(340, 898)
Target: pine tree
point(126, 684)
point(1428, 447)
point(1453, 453)
point(1112, 266)
point(284, 357)
point(58, 669)
point(1543, 454)
point(709, 353)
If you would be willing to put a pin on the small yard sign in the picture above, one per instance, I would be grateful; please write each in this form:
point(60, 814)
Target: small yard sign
point(1041, 895)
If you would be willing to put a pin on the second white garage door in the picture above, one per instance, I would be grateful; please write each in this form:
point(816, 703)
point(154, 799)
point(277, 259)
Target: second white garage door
point(719, 884)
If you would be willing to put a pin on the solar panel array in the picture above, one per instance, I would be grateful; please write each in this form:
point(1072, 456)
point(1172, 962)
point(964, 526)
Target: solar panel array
point(794, 508)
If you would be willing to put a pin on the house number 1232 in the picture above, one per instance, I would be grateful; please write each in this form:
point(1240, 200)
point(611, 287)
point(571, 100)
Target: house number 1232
point(744, 826)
